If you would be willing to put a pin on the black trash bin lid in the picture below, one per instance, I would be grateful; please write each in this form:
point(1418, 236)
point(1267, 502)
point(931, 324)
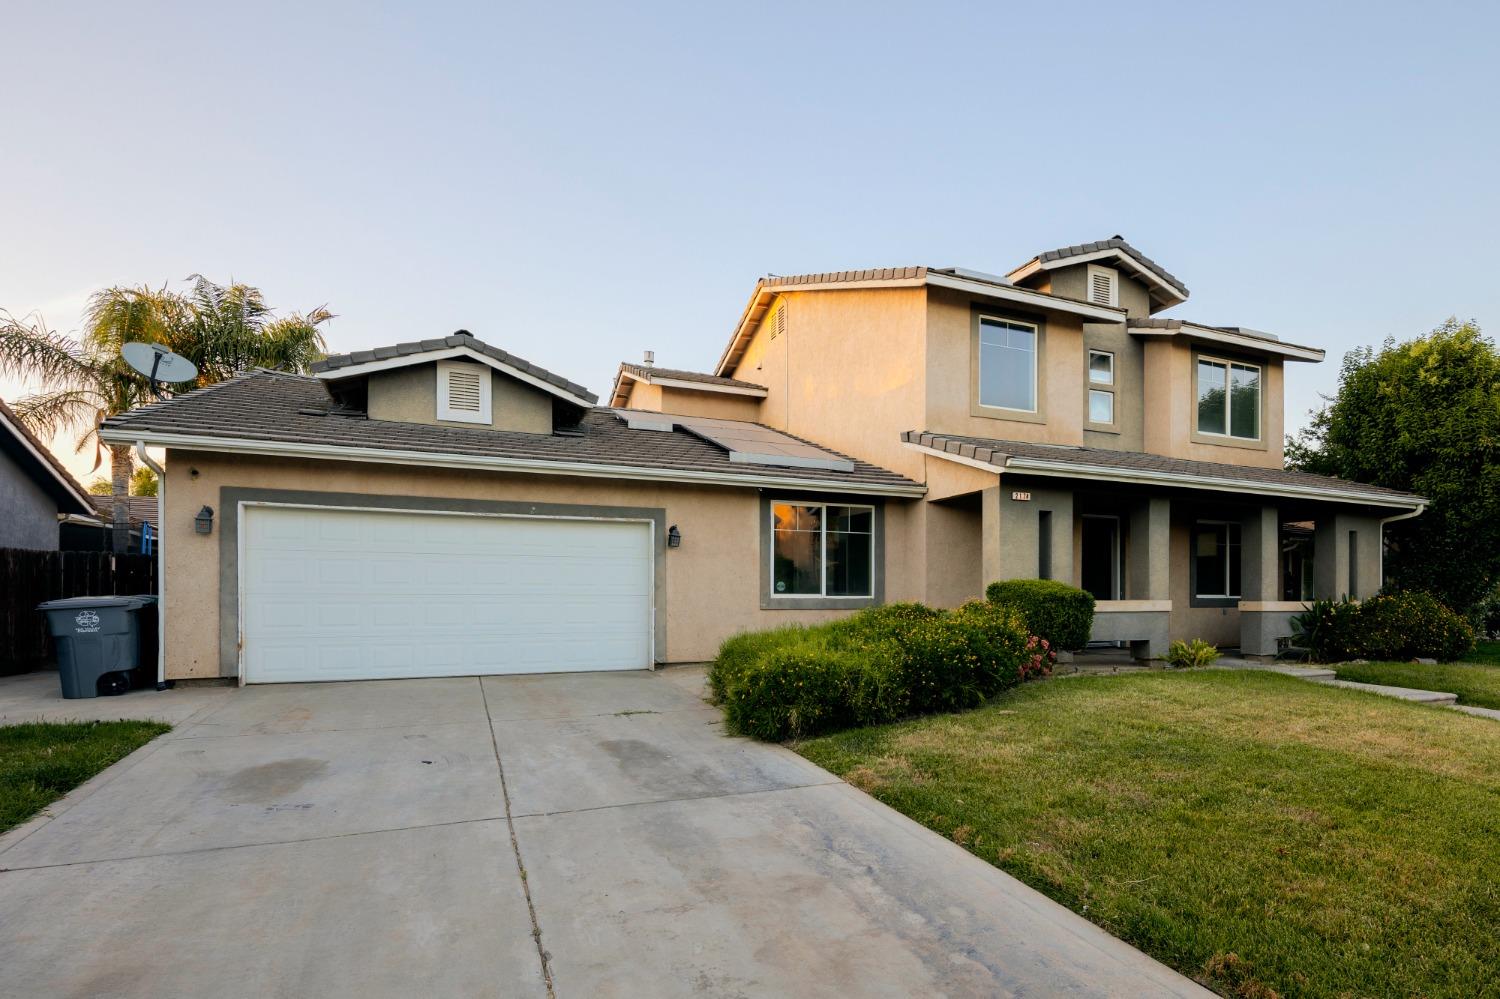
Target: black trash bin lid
point(131, 602)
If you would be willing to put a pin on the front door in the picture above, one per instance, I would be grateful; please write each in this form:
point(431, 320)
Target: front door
point(1100, 558)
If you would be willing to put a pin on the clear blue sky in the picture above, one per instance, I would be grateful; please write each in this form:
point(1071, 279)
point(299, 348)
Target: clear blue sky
point(579, 183)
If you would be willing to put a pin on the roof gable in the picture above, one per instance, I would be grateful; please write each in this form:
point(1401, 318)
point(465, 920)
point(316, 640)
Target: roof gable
point(461, 344)
point(1165, 288)
point(695, 381)
point(48, 472)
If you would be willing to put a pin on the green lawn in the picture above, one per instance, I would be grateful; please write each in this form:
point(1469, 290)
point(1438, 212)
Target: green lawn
point(1265, 835)
point(40, 762)
point(1476, 680)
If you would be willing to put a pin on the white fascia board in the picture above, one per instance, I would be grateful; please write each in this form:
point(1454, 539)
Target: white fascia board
point(385, 456)
point(1025, 296)
point(1038, 466)
point(1288, 350)
point(448, 353)
point(1114, 254)
point(47, 462)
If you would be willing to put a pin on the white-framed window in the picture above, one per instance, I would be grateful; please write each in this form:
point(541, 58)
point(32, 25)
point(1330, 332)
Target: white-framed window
point(1101, 367)
point(1216, 559)
point(1228, 399)
point(822, 550)
point(1104, 285)
point(1101, 406)
point(463, 392)
point(1007, 364)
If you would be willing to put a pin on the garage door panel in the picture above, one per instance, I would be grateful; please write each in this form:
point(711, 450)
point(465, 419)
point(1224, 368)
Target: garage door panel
point(340, 594)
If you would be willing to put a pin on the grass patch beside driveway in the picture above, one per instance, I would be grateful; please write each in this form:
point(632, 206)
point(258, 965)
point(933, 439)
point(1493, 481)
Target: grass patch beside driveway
point(1476, 685)
point(1263, 834)
point(42, 761)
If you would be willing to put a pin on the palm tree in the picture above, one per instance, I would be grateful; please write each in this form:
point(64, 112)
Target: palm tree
point(223, 330)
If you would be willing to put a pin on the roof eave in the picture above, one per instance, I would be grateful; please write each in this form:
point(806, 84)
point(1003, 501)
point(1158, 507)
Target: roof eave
point(1290, 351)
point(68, 486)
point(439, 459)
point(1001, 463)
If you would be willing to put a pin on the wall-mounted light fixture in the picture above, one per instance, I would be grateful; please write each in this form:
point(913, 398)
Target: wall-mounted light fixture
point(203, 523)
point(674, 537)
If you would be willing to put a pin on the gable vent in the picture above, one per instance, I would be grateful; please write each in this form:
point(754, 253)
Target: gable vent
point(463, 392)
point(1102, 286)
point(778, 322)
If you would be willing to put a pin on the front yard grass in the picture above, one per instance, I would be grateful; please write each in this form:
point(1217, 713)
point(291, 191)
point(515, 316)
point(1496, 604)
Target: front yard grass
point(1265, 835)
point(1474, 684)
point(42, 761)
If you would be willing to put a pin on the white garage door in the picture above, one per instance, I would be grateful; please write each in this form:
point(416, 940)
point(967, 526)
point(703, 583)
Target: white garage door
point(355, 595)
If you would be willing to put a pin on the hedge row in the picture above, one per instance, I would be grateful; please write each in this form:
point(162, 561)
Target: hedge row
point(1391, 626)
point(875, 666)
point(1062, 614)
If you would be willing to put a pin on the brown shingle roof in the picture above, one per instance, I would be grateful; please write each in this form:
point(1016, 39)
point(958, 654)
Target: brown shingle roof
point(998, 452)
point(141, 509)
point(462, 338)
point(1114, 243)
point(274, 407)
point(687, 376)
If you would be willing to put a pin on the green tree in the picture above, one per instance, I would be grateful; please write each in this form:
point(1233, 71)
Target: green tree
point(222, 329)
point(1424, 416)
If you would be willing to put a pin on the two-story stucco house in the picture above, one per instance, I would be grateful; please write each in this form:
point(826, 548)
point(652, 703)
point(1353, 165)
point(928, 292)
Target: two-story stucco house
point(444, 507)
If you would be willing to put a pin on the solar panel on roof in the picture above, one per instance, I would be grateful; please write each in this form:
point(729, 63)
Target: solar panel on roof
point(747, 443)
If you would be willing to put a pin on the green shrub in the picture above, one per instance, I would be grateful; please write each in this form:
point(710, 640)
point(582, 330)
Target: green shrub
point(1404, 626)
point(1396, 626)
point(874, 666)
point(1191, 655)
point(1062, 614)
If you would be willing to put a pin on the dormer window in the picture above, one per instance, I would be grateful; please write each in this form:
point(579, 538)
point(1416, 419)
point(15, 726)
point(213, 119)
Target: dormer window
point(1104, 285)
point(463, 392)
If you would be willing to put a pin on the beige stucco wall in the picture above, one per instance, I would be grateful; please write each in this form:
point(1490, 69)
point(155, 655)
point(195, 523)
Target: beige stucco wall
point(718, 405)
point(409, 395)
point(1171, 407)
point(950, 386)
point(712, 581)
point(856, 379)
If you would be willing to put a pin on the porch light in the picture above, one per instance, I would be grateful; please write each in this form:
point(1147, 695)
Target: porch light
point(203, 523)
point(674, 537)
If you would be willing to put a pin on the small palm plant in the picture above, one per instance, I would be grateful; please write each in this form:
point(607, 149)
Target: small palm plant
point(84, 381)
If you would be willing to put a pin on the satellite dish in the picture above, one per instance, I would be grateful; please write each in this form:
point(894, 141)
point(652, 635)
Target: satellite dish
point(158, 363)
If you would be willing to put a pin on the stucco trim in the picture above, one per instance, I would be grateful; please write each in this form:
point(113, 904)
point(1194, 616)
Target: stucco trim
point(436, 459)
point(232, 499)
point(877, 578)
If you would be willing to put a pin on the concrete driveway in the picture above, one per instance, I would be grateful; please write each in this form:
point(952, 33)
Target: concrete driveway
point(591, 834)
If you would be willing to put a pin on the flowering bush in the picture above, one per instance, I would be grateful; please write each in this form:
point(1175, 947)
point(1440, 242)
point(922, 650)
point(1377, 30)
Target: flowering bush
point(875, 666)
point(1397, 626)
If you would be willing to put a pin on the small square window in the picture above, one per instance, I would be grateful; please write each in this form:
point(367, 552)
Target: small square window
point(1101, 367)
point(1101, 406)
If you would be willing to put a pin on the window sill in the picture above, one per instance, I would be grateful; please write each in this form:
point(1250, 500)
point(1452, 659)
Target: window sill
point(1102, 428)
point(1226, 602)
point(1011, 415)
point(816, 603)
point(1216, 440)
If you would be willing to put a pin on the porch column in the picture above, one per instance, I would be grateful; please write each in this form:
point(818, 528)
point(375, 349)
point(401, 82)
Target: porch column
point(1346, 556)
point(1149, 555)
point(989, 556)
point(1014, 519)
point(1265, 618)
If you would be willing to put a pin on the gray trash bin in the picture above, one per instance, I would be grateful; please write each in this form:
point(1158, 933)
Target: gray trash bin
point(100, 641)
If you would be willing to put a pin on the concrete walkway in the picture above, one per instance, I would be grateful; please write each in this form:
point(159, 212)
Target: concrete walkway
point(369, 839)
point(1329, 677)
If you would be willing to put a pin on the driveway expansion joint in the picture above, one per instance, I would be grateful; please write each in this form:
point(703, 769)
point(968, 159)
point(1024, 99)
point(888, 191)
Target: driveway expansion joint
point(686, 797)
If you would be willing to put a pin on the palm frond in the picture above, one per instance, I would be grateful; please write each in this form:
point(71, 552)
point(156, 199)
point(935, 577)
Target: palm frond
point(117, 315)
point(28, 349)
point(49, 413)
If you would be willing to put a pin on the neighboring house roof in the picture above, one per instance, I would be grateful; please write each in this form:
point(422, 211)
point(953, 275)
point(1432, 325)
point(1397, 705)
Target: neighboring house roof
point(460, 344)
point(1235, 336)
point(1170, 290)
point(956, 278)
point(140, 509)
point(268, 412)
point(1135, 466)
point(49, 473)
point(676, 378)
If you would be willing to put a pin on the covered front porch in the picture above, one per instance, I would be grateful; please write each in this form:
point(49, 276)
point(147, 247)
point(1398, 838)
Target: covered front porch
point(1185, 556)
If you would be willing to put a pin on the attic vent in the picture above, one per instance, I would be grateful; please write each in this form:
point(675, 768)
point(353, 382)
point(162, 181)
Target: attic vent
point(778, 322)
point(463, 393)
point(1103, 286)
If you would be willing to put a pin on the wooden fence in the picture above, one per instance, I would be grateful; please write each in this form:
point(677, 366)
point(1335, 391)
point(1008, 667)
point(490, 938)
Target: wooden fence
point(29, 577)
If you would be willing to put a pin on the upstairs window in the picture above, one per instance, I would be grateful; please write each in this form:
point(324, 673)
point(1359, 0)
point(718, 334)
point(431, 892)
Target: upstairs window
point(1228, 399)
point(1101, 367)
point(1104, 285)
point(1007, 364)
point(822, 551)
point(463, 392)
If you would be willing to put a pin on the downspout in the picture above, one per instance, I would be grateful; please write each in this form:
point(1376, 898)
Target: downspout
point(161, 565)
point(1391, 520)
